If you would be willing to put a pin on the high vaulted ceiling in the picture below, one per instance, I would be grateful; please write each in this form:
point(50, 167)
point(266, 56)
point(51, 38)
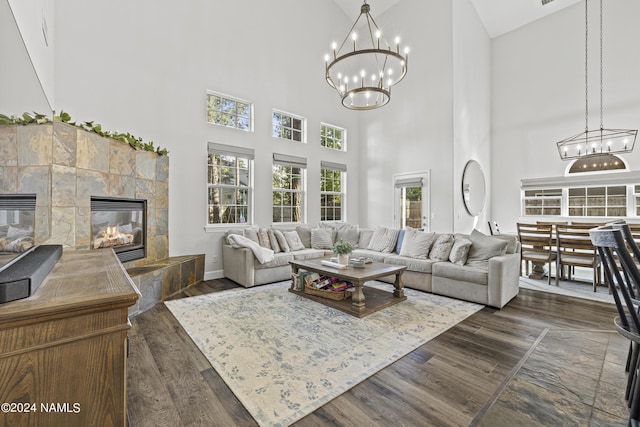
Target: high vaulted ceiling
point(498, 16)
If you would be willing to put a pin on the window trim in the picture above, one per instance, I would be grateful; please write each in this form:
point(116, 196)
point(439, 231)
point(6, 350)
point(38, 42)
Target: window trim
point(293, 162)
point(344, 136)
point(303, 131)
point(241, 152)
point(336, 167)
point(236, 100)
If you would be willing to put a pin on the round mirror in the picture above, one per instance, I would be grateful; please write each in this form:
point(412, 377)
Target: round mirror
point(473, 188)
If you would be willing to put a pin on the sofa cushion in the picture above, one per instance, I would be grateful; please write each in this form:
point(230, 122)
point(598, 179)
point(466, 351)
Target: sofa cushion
point(293, 240)
point(237, 231)
point(282, 242)
point(252, 234)
point(279, 259)
point(417, 243)
point(384, 239)
point(308, 254)
point(274, 241)
point(374, 255)
point(321, 238)
point(463, 273)
point(441, 248)
point(412, 264)
point(348, 233)
point(483, 248)
point(305, 235)
point(263, 238)
point(460, 250)
point(512, 245)
point(400, 239)
point(365, 237)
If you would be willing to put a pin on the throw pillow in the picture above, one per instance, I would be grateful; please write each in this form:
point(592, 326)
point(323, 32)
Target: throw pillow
point(238, 231)
point(321, 238)
point(417, 243)
point(483, 248)
point(263, 238)
point(293, 240)
point(282, 242)
point(348, 233)
point(274, 242)
point(441, 248)
point(251, 233)
point(384, 239)
point(305, 235)
point(365, 235)
point(400, 239)
point(460, 250)
point(513, 242)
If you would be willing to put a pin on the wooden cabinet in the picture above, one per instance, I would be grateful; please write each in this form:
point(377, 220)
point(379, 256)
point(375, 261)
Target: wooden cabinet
point(63, 349)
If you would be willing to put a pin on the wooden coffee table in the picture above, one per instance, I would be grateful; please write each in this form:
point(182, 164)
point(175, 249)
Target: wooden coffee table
point(376, 299)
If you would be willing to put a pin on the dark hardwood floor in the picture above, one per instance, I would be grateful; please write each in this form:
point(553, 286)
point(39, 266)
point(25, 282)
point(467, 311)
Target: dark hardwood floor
point(543, 360)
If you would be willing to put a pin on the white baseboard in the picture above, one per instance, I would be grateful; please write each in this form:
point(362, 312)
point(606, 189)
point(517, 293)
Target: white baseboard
point(214, 274)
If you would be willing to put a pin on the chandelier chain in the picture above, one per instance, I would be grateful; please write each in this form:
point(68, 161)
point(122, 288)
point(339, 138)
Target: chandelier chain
point(601, 78)
point(586, 65)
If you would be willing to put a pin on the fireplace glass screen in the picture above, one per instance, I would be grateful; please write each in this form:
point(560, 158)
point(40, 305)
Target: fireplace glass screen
point(17, 219)
point(119, 224)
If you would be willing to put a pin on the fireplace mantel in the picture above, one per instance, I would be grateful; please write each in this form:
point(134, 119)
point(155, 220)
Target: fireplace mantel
point(65, 165)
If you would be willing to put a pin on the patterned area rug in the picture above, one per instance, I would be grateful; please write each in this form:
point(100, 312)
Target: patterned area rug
point(284, 356)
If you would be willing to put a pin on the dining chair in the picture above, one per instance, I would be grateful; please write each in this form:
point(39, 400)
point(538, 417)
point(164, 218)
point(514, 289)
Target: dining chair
point(574, 249)
point(493, 228)
point(536, 241)
point(623, 278)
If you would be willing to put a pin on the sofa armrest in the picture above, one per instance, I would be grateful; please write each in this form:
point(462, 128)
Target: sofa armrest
point(238, 265)
point(504, 279)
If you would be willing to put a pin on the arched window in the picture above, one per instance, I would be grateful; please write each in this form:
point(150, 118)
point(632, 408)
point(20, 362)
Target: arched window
point(597, 163)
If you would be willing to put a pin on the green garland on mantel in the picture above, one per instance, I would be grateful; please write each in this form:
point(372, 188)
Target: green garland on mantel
point(125, 138)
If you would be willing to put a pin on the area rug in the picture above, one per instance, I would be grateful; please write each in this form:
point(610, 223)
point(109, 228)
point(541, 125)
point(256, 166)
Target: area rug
point(284, 356)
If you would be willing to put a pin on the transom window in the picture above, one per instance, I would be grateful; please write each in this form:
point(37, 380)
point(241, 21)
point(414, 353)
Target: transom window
point(288, 126)
point(229, 184)
point(332, 191)
point(332, 137)
point(288, 187)
point(226, 111)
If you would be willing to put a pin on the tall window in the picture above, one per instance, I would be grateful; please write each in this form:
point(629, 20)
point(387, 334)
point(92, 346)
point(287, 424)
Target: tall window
point(288, 188)
point(229, 184)
point(543, 202)
point(226, 111)
point(288, 126)
point(411, 206)
point(332, 191)
point(333, 137)
point(598, 201)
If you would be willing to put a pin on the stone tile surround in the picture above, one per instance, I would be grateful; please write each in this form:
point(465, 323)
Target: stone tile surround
point(64, 166)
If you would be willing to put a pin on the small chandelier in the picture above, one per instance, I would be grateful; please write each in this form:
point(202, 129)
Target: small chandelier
point(597, 141)
point(362, 71)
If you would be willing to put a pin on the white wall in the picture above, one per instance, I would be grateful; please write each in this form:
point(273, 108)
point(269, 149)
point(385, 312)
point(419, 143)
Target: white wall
point(471, 110)
point(538, 94)
point(36, 20)
point(414, 132)
point(145, 69)
point(20, 88)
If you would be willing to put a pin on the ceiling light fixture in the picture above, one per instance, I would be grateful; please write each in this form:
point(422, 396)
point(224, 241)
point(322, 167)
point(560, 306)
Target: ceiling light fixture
point(597, 141)
point(363, 69)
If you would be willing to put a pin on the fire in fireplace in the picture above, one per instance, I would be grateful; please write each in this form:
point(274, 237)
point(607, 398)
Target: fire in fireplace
point(119, 224)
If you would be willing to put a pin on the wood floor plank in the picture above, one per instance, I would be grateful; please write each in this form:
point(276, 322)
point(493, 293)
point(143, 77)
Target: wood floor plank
point(449, 381)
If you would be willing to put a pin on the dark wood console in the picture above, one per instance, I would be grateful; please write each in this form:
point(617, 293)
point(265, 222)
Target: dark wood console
point(63, 349)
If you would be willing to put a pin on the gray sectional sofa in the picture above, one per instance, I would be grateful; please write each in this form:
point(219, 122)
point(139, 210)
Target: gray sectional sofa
point(472, 267)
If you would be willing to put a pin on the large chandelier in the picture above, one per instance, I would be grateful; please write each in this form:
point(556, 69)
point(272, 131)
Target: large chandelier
point(596, 141)
point(363, 69)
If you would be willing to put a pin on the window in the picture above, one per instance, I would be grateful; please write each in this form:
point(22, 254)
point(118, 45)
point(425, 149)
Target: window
point(225, 111)
point(288, 188)
point(229, 184)
point(288, 126)
point(332, 191)
point(636, 196)
point(598, 201)
point(411, 194)
point(332, 137)
point(543, 202)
